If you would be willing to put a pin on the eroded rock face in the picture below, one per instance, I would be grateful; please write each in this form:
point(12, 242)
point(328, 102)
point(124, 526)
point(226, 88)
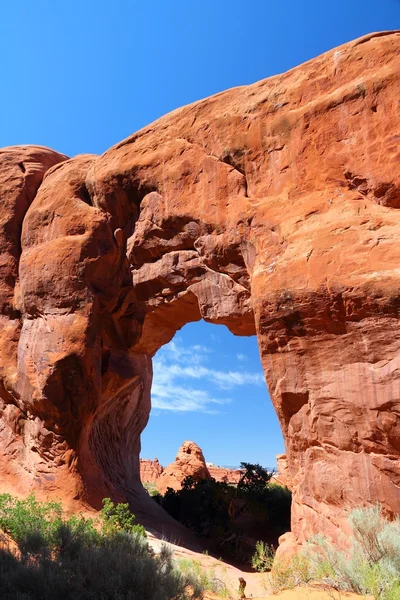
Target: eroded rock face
point(272, 209)
point(189, 462)
point(231, 476)
point(283, 475)
point(150, 470)
point(22, 169)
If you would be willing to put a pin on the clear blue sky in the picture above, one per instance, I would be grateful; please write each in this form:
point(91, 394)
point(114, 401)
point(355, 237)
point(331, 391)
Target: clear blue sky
point(79, 76)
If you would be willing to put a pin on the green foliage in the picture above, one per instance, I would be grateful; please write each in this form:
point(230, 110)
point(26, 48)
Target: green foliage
point(277, 501)
point(202, 578)
point(23, 518)
point(120, 568)
point(394, 593)
point(151, 488)
point(254, 479)
point(289, 574)
point(213, 509)
point(118, 517)
point(201, 505)
point(263, 557)
point(370, 566)
point(68, 558)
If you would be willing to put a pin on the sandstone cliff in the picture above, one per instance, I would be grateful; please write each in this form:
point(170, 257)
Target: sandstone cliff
point(272, 209)
point(221, 474)
point(150, 470)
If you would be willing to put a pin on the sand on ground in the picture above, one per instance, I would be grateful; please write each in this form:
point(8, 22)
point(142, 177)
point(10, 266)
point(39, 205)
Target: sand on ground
point(258, 584)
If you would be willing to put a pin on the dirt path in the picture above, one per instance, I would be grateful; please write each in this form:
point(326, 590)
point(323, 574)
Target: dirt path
point(258, 586)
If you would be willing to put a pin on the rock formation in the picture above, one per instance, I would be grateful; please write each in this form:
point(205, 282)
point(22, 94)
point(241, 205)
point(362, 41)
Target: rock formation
point(222, 474)
point(150, 470)
point(270, 208)
point(283, 475)
point(189, 462)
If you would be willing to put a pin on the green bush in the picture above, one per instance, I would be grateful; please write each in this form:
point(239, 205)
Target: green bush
point(121, 568)
point(21, 518)
point(206, 505)
point(254, 478)
point(200, 505)
point(289, 574)
point(213, 510)
point(205, 579)
point(369, 566)
point(151, 488)
point(263, 557)
point(37, 525)
point(118, 517)
point(70, 558)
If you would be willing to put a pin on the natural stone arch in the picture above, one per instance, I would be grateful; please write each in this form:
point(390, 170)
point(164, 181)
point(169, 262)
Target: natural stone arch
point(269, 208)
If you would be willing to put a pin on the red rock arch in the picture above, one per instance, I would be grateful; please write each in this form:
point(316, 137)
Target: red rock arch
point(270, 208)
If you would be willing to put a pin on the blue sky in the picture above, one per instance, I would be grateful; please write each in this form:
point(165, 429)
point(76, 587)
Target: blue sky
point(209, 387)
point(79, 76)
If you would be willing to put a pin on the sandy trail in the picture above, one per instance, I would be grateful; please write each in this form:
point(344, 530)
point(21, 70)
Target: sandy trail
point(258, 586)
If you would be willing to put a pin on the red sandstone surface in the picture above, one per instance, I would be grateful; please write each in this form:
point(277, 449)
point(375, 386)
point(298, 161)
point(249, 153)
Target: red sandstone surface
point(283, 473)
point(150, 470)
point(270, 208)
point(186, 464)
point(189, 462)
point(222, 474)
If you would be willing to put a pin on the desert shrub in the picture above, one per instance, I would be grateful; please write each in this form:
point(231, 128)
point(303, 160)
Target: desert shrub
point(254, 478)
point(369, 566)
point(120, 568)
point(66, 559)
point(39, 527)
point(214, 509)
point(200, 505)
point(269, 503)
point(28, 517)
point(151, 488)
point(263, 557)
point(118, 517)
point(202, 578)
point(287, 574)
point(205, 505)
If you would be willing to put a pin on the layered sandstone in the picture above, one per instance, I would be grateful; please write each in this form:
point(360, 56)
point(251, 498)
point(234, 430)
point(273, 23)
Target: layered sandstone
point(283, 474)
point(228, 475)
point(270, 208)
point(150, 470)
point(186, 464)
point(189, 462)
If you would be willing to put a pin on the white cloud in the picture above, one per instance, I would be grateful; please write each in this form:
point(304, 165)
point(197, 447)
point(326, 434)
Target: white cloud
point(225, 380)
point(192, 355)
point(241, 357)
point(177, 369)
point(200, 348)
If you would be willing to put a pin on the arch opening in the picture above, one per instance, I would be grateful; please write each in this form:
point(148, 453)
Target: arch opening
point(207, 372)
point(209, 388)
